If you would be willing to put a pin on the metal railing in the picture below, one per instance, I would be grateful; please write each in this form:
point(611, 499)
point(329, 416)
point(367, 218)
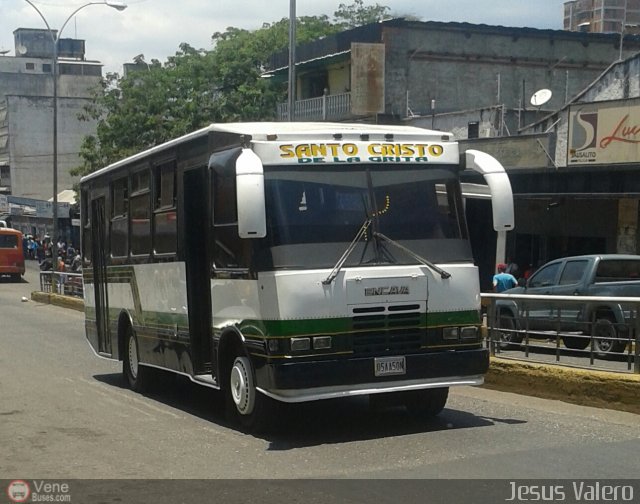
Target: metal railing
point(553, 330)
point(66, 284)
point(325, 107)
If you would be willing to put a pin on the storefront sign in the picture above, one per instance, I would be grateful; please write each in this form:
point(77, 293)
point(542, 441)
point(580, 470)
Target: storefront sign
point(604, 133)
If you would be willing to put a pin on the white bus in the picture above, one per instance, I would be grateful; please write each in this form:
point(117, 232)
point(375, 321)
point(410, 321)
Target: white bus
point(290, 262)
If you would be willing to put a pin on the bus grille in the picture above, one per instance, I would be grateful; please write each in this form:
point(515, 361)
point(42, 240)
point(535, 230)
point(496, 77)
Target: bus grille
point(387, 329)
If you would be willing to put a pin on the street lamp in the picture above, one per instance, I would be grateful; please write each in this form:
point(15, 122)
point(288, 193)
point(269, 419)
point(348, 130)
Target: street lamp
point(291, 97)
point(55, 38)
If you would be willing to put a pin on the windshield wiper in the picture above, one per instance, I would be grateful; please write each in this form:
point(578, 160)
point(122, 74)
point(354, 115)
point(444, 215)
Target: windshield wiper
point(440, 271)
point(347, 252)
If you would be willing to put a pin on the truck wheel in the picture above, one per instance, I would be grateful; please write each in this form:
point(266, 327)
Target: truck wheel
point(605, 338)
point(576, 342)
point(244, 405)
point(136, 376)
point(427, 403)
point(507, 338)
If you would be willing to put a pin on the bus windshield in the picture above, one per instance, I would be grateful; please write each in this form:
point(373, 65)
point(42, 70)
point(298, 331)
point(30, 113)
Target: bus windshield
point(329, 205)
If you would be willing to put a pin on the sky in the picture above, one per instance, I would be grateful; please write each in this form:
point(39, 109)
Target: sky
point(156, 28)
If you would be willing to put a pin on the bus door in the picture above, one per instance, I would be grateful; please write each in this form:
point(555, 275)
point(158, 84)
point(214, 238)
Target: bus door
point(99, 261)
point(196, 256)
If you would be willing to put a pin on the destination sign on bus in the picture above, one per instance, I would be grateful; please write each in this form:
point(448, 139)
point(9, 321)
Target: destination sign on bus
point(354, 152)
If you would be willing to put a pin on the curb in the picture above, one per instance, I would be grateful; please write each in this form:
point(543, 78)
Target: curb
point(585, 387)
point(58, 300)
point(600, 389)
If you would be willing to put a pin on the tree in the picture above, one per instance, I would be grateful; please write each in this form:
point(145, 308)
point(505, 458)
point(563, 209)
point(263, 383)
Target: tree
point(357, 14)
point(148, 107)
point(196, 87)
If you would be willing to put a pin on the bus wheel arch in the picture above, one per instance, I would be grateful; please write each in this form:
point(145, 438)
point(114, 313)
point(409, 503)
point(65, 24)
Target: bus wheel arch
point(124, 323)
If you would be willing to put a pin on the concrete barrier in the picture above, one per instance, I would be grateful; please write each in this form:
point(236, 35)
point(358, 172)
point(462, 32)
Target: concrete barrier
point(578, 386)
point(58, 300)
point(587, 387)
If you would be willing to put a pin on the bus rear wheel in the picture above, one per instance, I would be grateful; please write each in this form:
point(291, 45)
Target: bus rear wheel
point(246, 406)
point(136, 375)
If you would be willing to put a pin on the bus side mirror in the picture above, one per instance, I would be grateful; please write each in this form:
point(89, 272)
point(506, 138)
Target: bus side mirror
point(252, 221)
point(499, 185)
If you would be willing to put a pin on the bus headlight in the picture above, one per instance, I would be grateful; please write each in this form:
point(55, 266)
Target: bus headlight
point(300, 344)
point(450, 333)
point(321, 342)
point(469, 332)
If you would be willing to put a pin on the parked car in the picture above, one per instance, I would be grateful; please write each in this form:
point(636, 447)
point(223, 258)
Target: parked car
point(609, 323)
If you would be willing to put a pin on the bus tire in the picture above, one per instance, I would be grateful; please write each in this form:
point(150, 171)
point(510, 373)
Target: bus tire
point(135, 375)
point(252, 410)
point(427, 403)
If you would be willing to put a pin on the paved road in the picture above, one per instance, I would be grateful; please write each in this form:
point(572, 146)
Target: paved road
point(64, 413)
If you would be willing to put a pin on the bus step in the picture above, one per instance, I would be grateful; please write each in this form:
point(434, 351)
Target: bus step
point(205, 379)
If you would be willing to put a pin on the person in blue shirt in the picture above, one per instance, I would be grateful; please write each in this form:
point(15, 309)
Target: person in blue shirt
point(502, 280)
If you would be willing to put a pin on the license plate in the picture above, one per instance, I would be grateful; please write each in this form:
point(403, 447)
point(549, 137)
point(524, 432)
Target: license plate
point(387, 366)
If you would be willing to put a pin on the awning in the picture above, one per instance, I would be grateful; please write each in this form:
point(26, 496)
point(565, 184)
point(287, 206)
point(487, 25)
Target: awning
point(319, 62)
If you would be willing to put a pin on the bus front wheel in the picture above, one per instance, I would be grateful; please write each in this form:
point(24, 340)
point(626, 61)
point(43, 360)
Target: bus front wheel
point(427, 403)
point(136, 375)
point(253, 410)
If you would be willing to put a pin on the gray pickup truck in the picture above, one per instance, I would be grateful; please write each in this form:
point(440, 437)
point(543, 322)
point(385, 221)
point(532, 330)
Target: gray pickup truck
point(608, 275)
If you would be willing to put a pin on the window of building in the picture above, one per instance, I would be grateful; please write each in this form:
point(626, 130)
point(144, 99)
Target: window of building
point(46, 68)
point(30, 66)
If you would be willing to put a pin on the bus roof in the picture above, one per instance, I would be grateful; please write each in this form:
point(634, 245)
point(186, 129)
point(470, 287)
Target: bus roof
point(287, 131)
point(10, 231)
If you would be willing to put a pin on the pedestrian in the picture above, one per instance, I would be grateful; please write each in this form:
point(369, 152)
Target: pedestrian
point(512, 267)
point(502, 280)
point(62, 278)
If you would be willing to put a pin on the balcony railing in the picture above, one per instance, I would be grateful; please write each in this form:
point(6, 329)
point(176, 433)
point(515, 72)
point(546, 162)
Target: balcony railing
point(323, 108)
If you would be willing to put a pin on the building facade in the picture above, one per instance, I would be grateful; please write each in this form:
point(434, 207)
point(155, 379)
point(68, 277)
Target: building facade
point(602, 16)
point(402, 70)
point(26, 112)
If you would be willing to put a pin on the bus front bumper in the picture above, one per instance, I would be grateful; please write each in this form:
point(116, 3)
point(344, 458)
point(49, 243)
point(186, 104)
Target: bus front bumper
point(327, 379)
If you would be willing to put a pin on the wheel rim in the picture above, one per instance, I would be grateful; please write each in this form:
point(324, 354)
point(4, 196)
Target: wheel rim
point(505, 323)
point(241, 385)
point(604, 330)
point(133, 357)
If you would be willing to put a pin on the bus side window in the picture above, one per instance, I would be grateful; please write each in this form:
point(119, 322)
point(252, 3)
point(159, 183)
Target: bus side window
point(120, 217)
point(140, 214)
point(164, 209)
point(229, 250)
point(85, 215)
